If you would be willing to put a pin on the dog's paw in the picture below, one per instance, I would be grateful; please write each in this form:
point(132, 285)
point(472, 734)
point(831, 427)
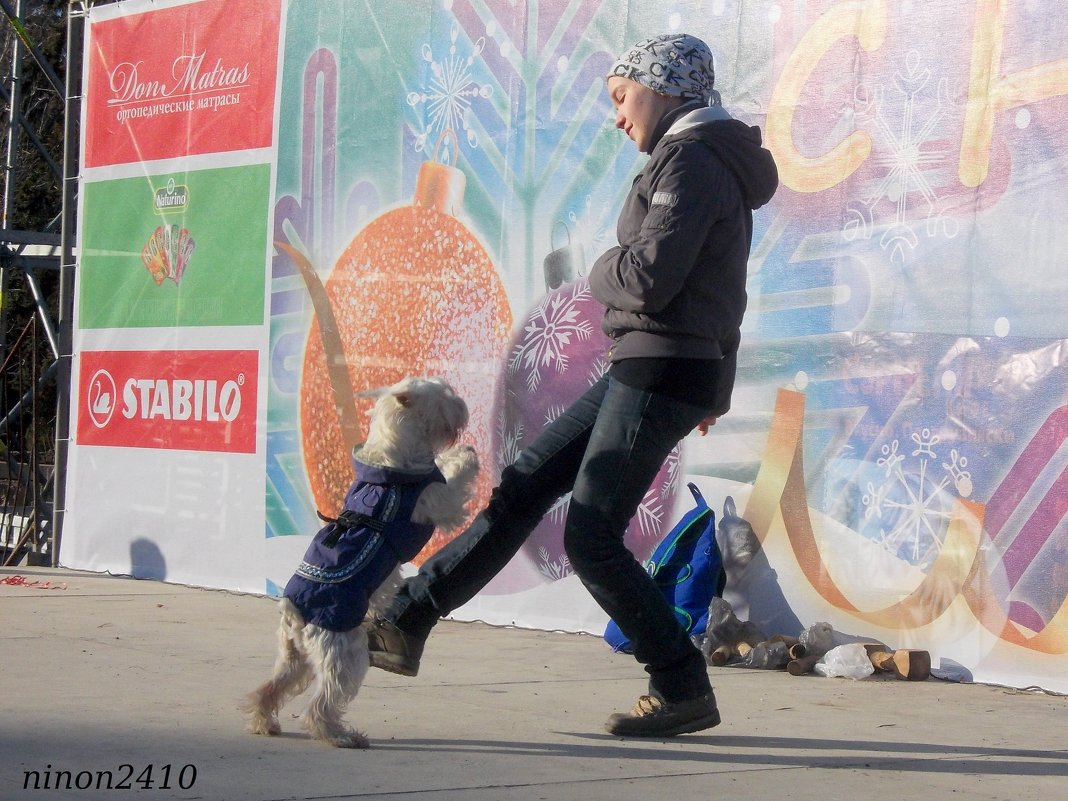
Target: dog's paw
point(270, 728)
point(459, 463)
point(350, 739)
point(262, 723)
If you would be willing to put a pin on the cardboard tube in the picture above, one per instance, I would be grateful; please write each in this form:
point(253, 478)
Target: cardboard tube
point(798, 667)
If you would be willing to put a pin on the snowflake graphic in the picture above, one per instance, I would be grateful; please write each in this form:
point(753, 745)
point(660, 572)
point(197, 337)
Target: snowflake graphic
point(906, 162)
point(550, 328)
point(908, 509)
point(674, 473)
point(599, 369)
point(558, 512)
point(650, 514)
point(553, 412)
point(553, 569)
point(509, 449)
point(447, 100)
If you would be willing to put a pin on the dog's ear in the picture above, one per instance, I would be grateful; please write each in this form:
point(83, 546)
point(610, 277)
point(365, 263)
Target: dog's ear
point(454, 415)
point(404, 399)
point(376, 392)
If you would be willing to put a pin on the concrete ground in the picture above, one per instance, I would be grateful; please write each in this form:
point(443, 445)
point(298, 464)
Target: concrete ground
point(141, 679)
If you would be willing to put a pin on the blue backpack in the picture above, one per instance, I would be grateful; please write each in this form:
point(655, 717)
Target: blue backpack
point(688, 567)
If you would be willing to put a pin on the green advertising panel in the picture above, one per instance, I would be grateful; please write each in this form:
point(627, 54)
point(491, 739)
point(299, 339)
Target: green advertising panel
point(180, 249)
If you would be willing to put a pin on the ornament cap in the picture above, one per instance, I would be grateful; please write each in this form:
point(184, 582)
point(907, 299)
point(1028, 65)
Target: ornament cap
point(440, 185)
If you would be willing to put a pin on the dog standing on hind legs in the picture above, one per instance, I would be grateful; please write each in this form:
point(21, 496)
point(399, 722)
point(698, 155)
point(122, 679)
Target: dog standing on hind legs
point(411, 477)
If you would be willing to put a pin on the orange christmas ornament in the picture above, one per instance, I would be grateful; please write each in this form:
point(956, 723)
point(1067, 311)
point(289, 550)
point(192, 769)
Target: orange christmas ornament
point(414, 293)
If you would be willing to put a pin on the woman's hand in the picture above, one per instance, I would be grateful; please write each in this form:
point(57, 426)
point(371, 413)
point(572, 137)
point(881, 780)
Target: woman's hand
point(704, 425)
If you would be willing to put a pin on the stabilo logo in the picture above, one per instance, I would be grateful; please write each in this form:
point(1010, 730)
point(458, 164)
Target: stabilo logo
point(101, 398)
point(172, 400)
point(182, 399)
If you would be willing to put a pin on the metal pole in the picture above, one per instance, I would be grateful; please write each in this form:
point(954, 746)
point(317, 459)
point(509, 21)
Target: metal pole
point(15, 18)
point(15, 95)
point(10, 159)
point(68, 231)
point(35, 140)
point(42, 311)
point(13, 413)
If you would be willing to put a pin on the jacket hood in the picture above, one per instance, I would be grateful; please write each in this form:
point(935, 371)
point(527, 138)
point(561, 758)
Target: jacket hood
point(736, 144)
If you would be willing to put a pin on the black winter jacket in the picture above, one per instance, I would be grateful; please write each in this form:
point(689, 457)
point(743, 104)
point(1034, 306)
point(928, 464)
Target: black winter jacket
point(674, 287)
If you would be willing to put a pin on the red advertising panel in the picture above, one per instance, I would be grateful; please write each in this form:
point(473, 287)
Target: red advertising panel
point(192, 79)
point(173, 400)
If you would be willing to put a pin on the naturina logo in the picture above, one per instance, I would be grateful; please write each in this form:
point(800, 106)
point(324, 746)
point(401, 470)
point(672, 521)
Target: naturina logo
point(172, 197)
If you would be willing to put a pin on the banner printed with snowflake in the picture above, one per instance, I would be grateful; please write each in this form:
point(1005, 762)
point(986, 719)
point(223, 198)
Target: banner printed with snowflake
point(883, 284)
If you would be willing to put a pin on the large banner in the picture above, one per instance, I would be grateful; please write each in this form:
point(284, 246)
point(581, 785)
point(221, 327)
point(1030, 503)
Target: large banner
point(285, 204)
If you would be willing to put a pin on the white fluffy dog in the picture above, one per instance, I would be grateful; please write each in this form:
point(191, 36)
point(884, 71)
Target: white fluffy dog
point(410, 478)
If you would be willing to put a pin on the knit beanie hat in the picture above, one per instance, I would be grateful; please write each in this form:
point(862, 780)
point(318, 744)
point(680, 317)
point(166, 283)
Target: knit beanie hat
point(674, 64)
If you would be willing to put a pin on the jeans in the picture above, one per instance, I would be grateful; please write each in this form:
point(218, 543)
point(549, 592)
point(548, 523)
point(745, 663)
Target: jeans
point(606, 449)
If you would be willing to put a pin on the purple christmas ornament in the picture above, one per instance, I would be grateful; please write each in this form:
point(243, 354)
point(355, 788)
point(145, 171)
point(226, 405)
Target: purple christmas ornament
point(557, 354)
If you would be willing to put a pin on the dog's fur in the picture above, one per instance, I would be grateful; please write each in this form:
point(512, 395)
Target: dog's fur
point(414, 424)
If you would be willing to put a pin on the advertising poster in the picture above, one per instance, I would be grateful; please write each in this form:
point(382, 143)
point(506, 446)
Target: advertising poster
point(199, 238)
point(165, 478)
point(420, 188)
point(170, 80)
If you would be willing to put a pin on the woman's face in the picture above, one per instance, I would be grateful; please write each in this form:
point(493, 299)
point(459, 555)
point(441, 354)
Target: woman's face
point(638, 109)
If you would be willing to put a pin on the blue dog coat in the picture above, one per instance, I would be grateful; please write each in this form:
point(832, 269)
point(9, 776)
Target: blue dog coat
point(350, 557)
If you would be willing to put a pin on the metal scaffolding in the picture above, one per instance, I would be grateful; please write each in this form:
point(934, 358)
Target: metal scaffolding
point(32, 492)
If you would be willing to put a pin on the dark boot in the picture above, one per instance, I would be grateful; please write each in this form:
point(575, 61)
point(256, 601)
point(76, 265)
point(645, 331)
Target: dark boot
point(391, 649)
point(652, 717)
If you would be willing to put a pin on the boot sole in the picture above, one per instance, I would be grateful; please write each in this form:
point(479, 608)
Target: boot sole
point(394, 664)
point(711, 720)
